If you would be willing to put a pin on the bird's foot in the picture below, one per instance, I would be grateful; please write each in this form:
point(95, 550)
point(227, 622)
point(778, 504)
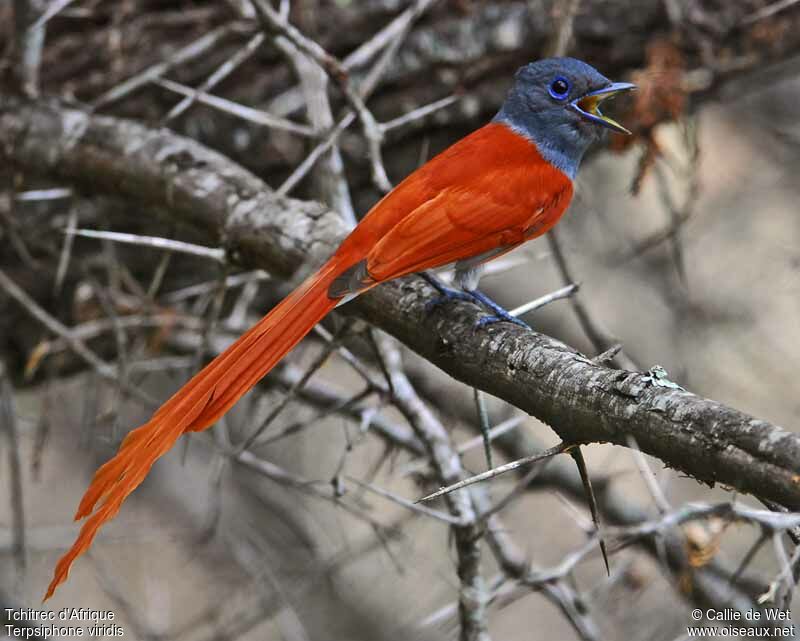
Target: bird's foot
point(447, 294)
point(500, 314)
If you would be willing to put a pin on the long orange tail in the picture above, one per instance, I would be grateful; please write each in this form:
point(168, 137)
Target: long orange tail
point(199, 403)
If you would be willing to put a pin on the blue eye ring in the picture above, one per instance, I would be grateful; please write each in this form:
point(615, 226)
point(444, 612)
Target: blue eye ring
point(559, 88)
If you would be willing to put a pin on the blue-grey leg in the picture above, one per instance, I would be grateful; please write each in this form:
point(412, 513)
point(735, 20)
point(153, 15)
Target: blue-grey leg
point(447, 294)
point(468, 274)
point(500, 314)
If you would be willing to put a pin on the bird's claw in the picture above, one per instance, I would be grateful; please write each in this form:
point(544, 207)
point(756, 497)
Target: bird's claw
point(499, 315)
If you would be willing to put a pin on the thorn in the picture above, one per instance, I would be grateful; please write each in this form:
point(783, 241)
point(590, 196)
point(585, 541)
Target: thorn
point(577, 456)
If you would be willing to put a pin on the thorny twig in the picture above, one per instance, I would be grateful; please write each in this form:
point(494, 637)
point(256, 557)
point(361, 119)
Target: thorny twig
point(497, 471)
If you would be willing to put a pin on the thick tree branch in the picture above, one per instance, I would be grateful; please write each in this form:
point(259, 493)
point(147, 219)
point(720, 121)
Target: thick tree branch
point(582, 401)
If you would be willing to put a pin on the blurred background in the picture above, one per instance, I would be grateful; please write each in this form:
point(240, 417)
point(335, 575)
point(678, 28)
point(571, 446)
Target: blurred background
point(685, 239)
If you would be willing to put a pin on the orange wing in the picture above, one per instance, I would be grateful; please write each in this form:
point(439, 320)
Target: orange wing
point(491, 191)
point(460, 224)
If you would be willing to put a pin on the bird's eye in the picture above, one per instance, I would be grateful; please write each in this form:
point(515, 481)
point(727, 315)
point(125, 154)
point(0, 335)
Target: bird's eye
point(559, 88)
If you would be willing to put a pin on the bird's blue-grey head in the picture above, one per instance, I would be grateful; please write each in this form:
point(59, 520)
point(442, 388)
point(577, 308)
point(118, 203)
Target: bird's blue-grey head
point(555, 104)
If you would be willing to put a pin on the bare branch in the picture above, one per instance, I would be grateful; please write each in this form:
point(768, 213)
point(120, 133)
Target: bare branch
point(240, 111)
point(8, 424)
point(769, 10)
point(410, 505)
point(497, 471)
point(222, 72)
point(165, 244)
point(55, 7)
point(27, 47)
point(538, 303)
point(190, 52)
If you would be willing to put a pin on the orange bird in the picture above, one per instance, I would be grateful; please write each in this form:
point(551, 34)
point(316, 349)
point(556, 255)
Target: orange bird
point(505, 183)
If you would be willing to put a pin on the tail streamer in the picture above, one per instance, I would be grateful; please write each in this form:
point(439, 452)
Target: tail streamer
point(198, 405)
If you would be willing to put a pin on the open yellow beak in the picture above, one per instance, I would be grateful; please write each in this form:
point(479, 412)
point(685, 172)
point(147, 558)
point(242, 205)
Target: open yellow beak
point(588, 106)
